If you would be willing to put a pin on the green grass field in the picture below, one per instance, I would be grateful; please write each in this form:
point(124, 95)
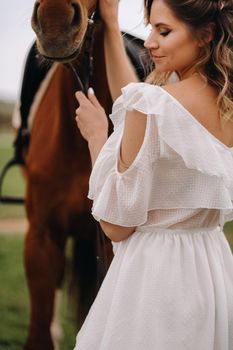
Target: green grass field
point(13, 183)
point(14, 308)
point(14, 300)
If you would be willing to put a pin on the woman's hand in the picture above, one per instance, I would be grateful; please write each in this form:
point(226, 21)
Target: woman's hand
point(109, 12)
point(116, 58)
point(92, 122)
point(91, 118)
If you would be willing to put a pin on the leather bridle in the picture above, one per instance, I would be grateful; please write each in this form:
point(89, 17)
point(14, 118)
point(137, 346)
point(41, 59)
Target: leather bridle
point(87, 64)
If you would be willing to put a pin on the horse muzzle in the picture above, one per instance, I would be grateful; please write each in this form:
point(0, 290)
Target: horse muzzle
point(60, 29)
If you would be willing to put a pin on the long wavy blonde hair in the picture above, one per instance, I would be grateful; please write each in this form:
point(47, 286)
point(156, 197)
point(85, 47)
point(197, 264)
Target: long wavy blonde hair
point(216, 61)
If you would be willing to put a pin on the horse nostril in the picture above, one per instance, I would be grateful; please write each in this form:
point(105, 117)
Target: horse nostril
point(76, 16)
point(35, 19)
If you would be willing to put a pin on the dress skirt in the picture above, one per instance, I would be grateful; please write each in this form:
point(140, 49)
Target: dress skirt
point(165, 290)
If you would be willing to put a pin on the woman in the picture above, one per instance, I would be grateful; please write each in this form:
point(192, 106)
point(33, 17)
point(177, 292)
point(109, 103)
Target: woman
point(162, 184)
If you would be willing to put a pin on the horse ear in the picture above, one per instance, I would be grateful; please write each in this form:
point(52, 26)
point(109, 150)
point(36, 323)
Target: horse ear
point(206, 34)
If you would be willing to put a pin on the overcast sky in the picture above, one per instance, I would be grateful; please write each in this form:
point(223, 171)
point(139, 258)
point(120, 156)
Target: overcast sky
point(16, 37)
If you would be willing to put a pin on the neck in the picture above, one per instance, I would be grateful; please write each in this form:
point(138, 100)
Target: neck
point(187, 73)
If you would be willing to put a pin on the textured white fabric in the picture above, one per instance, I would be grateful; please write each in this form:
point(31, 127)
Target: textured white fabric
point(170, 285)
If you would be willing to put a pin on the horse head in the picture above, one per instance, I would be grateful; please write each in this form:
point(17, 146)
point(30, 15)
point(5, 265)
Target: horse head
point(60, 27)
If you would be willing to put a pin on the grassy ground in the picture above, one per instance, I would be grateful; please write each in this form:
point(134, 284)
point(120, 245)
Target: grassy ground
point(13, 182)
point(14, 301)
point(13, 306)
point(6, 111)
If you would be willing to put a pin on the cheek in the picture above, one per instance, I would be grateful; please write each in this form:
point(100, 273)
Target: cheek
point(171, 45)
point(182, 50)
point(191, 52)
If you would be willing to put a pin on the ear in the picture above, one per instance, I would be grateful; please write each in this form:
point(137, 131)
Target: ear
point(206, 34)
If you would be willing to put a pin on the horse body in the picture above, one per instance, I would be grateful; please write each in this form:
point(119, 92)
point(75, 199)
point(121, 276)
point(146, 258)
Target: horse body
point(58, 168)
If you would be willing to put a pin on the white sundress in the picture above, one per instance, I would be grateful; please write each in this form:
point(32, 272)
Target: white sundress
point(170, 285)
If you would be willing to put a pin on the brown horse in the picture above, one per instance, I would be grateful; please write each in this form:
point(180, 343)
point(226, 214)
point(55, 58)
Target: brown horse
point(58, 167)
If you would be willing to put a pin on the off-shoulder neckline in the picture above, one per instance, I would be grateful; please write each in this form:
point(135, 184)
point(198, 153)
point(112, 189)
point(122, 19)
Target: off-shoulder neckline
point(192, 117)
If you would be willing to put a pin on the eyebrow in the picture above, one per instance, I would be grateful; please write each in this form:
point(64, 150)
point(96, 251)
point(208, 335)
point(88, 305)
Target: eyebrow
point(161, 24)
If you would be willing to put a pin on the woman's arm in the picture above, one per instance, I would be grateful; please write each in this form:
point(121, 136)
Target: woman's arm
point(116, 233)
point(133, 136)
point(92, 122)
point(132, 139)
point(120, 71)
point(93, 125)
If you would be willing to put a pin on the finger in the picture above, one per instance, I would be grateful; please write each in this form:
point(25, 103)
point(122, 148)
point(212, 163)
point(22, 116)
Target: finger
point(80, 97)
point(93, 98)
point(77, 111)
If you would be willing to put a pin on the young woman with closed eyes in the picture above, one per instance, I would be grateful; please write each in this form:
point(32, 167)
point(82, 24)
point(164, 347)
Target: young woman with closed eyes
point(162, 184)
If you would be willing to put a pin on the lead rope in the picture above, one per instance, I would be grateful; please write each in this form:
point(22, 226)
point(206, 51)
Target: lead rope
point(101, 253)
point(88, 54)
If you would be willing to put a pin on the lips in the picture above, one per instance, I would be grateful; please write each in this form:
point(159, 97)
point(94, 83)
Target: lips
point(157, 57)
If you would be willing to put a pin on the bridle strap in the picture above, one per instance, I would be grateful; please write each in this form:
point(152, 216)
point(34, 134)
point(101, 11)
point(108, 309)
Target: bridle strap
point(87, 64)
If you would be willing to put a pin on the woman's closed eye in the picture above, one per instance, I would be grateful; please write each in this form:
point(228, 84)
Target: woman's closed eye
point(165, 33)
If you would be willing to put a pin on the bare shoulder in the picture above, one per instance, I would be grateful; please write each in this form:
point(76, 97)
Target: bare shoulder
point(200, 100)
point(196, 96)
point(187, 92)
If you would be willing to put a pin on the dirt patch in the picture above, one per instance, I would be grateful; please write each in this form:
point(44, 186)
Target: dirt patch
point(13, 226)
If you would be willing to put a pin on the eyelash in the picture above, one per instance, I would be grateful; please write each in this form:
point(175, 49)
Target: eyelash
point(165, 33)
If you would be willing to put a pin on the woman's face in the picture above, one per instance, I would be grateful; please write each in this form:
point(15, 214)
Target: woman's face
point(171, 43)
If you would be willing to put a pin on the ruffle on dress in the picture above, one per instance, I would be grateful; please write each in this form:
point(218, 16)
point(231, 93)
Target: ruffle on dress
point(180, 163)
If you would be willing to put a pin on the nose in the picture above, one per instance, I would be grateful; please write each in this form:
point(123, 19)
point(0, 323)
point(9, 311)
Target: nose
point(76, 15)
point(151, 43)
point(69, 21)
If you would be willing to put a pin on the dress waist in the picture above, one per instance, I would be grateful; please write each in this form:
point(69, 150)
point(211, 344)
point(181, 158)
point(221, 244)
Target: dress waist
point(158, 230)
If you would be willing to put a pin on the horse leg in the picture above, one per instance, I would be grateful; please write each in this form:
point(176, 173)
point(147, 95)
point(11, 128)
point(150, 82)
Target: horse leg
point(44, 264)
